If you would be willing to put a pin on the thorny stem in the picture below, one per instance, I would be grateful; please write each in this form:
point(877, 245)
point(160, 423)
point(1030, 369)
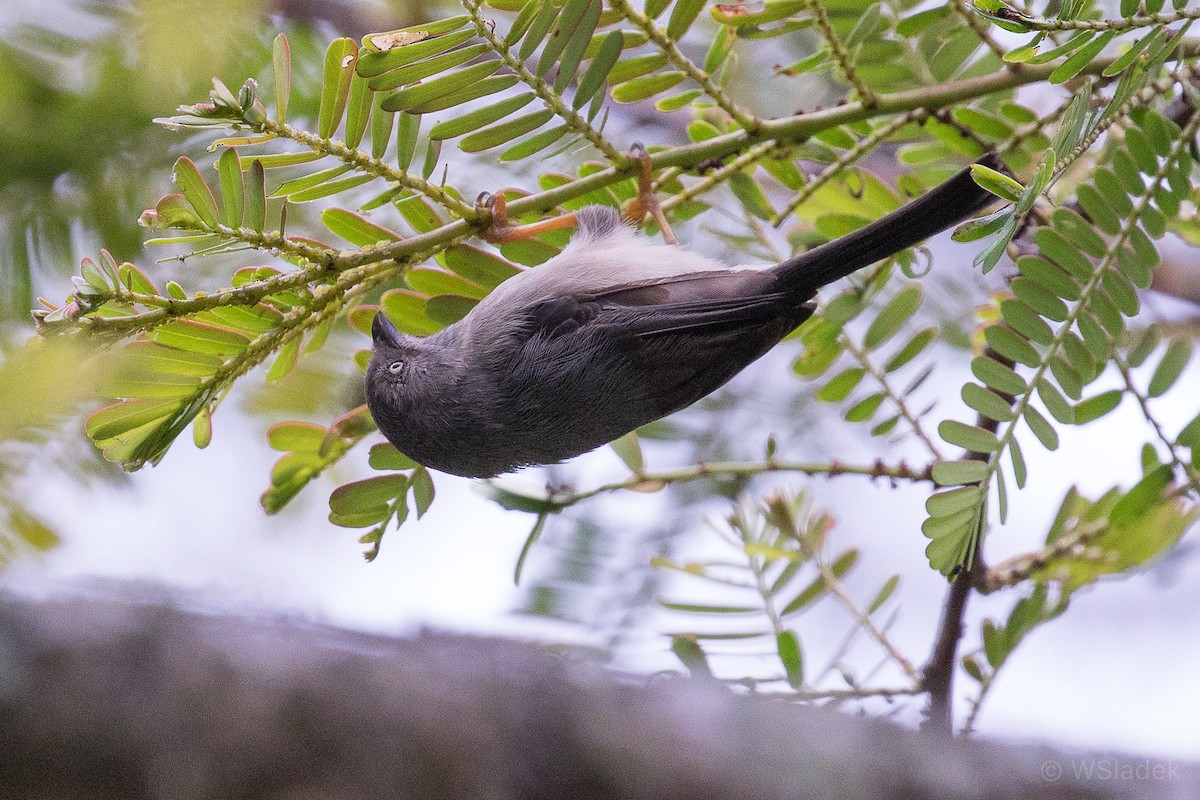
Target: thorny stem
point(1019, 568)
point(652, 481)
point(1127, 23)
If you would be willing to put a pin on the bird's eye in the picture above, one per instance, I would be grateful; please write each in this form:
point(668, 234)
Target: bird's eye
point(395, 367)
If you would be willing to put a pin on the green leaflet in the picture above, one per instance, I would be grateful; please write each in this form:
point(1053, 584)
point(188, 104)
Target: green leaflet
point(355, 228)
point(193, 187)
point(480, 117)
point(340, 59)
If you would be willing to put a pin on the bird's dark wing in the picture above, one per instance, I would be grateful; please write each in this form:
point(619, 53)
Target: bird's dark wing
point(665, 343)
point(697, 302)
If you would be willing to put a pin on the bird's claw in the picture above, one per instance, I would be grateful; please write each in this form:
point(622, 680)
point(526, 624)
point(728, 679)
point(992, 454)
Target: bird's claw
point(646, 202)
point(501, 231)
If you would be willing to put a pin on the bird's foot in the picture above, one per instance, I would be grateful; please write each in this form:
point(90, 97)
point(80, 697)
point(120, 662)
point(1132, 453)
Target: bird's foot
point(646, 201)
point(501, 231)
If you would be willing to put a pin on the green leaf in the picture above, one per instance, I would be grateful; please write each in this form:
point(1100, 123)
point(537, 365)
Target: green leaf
point(1123, 296)
point(483, 88)
point(199, 337)
point(422, 490)
point(373, 63)
point(116, 420)
point(355, 228)
point(1018, 462)
point(285, 360)
point(1042, 429)
point(1075, 229)
point(687, 649)
point(193, 187)
point(438, 281)
point(914, 347)
point(788, 648)
point(840, 386)
point(865, 408)
point(1011, 345)
point(635, 67)
point(1142, 150)
point(1179, 352)
point(358, 110)
point(374, 492)
point(306, 182)
point(987, 402)
point(256, 198)
point(436, 90)
point(1096, 207)
point(885, 592)
point(423, 69)
point(751, 195)
point(296, 437)
point(893, 316)
point(990, 256)
point(997, 376)
point(1095, 407)
point(1063, 253)
point(1025, 321)
point(570, 39)
point(534, 144)
point(505, 132)
point(953, 473)
point(173, 211)
point(233, 191)
point(1070, 131)
point(1055, 403)
point(384, 456)
point(598, 71)
point(480, 117)
point(479, 266)
point(539, 27)
point(329, 188)
point(340, 59)
point(1036, 297)
point(682, 17)
point(968, 437)
point(447, 309)
point(997, 183)
point(648, 86)
point(408, 128)
point(1050, 276)
point(1081, 58)
point(953, 501)
point(272, 161)
point(281, 62)
point(629, 449)
point(1142, 345)
point(529, 10)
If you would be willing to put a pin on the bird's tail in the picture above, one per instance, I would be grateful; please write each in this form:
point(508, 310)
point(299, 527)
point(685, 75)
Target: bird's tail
point(931, 213)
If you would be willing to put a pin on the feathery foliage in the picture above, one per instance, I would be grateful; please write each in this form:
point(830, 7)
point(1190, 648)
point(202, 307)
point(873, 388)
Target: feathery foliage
point(1097, 171)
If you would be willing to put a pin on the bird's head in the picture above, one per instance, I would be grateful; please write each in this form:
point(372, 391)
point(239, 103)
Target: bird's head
point(398, 369)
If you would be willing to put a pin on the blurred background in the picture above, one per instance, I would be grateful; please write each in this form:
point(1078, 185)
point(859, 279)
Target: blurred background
point(80, 81)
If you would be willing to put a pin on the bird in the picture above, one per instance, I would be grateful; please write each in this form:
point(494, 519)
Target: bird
point(614, 332)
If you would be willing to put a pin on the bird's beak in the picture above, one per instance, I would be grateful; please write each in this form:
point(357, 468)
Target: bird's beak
point(383, 331)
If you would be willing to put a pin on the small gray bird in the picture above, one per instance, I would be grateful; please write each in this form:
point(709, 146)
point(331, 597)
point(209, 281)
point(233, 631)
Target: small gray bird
point(614, 332)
